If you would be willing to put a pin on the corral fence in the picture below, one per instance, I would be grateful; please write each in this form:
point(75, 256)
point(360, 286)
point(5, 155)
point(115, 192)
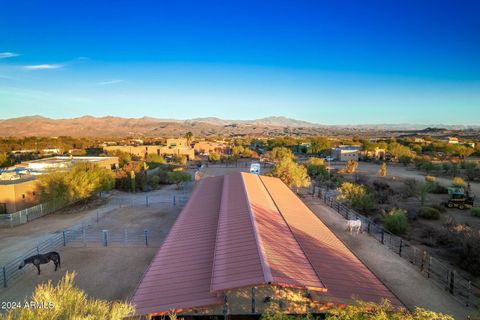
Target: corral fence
point(442, 275)
point(81, 235)
point(24, 216)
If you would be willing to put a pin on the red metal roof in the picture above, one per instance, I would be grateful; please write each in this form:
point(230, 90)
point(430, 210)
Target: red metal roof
point(243, 230)
point(179, 275)
point(340, 270)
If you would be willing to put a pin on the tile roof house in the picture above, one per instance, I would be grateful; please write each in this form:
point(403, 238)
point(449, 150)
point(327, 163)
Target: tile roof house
point(243, 241)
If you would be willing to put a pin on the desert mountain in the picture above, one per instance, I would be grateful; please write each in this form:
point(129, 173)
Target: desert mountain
point(110, 126)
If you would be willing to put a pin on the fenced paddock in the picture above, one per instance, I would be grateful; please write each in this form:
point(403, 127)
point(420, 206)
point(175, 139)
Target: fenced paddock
point(461, 288)
point(90, 233)
point(23, 216)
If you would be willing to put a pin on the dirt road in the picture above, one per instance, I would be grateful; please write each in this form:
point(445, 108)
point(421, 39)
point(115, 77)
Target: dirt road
point(405, 282)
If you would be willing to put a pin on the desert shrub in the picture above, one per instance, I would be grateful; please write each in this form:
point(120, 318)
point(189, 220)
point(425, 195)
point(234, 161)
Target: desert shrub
point(80, 182)
point(382, 172)
point(351, 166)
point(429, 213)
point(69, 302)
point(381, 311)
point(292, 174)
point(469, 255)
point(475, 212)
point(396, 221)
point(178, 177)
point(439, 207)
point(356, 196)
point(213, 157)
point(382, 191)
point(439, 189)
point(410, 189)
point(316, 168)
point(154, 181)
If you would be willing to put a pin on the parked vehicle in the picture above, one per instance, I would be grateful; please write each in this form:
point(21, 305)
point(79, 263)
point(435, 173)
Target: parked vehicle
point(255, 168)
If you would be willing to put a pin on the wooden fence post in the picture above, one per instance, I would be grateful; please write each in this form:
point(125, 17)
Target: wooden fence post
point(383, 237)
point(400, 248)
point(64, 238)
point(145, 232)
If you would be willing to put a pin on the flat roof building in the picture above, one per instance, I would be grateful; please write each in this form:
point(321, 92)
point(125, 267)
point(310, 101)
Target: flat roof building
point(345, 153)
point(60, 162)
point(244, 240)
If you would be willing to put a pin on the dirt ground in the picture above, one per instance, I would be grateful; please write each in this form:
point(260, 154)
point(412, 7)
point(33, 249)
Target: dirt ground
point(406, 283)
point(24, 237)
point(421, 230)
point(107, 273)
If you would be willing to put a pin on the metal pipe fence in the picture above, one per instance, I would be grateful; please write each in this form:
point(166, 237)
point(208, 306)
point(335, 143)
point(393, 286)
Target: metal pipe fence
point(442, 275)
point(80, 235)
point(24, 216)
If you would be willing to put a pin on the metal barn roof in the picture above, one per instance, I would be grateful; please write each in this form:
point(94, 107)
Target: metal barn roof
point(244, 230)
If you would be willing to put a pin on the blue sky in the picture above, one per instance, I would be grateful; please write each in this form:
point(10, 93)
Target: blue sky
point(331, 62)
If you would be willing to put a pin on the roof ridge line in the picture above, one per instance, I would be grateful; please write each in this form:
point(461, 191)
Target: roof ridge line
point(267, 273)
point(293, 234)
point(216, 234)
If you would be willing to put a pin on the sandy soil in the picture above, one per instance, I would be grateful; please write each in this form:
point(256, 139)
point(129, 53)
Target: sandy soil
point(409, 285)
point(24, 237)
point(107, 273)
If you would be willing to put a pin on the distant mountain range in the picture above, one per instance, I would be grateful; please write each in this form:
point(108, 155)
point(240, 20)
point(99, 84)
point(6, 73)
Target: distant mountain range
point(110, 126)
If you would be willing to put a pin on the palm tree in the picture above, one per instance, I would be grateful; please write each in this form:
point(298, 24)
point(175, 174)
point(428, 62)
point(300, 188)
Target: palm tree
point(189, 137)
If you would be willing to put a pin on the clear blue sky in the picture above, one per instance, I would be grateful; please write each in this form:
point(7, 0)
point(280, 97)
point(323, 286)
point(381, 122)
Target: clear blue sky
point(331, 62)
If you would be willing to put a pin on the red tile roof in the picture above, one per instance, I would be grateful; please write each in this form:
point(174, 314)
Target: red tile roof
point(242, 230)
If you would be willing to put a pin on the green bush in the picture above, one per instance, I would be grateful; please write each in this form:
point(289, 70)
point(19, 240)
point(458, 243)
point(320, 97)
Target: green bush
point(395, 221)
point(361, 310)
point(429, 213)
point(475, 212)
point(439, 207)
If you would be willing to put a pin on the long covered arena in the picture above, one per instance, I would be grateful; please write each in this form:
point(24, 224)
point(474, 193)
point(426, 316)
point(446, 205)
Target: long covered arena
point(244, 242)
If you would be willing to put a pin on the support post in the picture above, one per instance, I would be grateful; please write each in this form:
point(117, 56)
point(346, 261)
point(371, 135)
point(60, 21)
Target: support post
point(400, 248)
point(97, 215)
point(146, 200)
point(225, 306)
point(451, 285)
point(253, 300)
point(84, 237)
point(145, 232)
point(64, 238)
point(383, 237)
point(174, 200)
point(4, 277)
point(105, 237)
point(368, 226)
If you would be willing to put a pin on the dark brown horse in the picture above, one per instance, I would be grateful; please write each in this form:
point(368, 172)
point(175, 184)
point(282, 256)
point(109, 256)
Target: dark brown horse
point(39, 259)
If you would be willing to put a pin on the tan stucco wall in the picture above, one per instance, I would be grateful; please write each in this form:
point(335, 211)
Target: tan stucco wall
point(19, 195)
